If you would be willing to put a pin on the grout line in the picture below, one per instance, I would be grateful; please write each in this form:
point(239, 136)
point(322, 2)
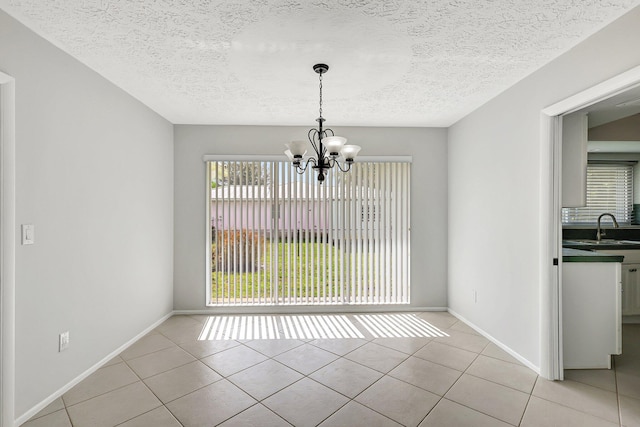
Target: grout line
point(575, 409)
point(367, 388)
point(147, 354)
point(461, 404)
point(506, 361)
point(115, 389)
point(429, 391)
point(443, 341)
point(615, 379)
point(338, 354)
point(151, 391)
point(199, 388)
point(139, 415)
point(103, 393)
point(331, 414)
point(500, 384)
point(68, 415)
point(446, 366)
point(223, 377)
point(253, 406)
point(529, 399)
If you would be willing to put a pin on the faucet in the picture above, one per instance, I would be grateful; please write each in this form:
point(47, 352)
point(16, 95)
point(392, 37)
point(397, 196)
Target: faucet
point(601, 232)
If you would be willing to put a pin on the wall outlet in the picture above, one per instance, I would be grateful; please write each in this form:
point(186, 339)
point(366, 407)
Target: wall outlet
point(64, 341)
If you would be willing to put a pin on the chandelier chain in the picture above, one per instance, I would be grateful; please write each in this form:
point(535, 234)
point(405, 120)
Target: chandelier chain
point(320, 95)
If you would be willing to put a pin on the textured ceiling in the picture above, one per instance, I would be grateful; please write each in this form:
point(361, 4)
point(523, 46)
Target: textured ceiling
point(392, 62)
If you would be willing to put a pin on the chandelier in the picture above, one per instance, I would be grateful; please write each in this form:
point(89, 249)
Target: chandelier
point(327, 146)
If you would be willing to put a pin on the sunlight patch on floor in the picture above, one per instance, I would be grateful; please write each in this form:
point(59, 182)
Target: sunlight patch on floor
point(320, 326)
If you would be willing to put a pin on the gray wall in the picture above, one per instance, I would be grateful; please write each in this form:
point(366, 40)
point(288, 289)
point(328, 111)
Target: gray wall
point(428, 197)
point(496, 167)
point(95, 175)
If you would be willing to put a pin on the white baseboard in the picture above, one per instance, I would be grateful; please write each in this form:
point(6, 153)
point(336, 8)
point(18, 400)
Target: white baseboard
point(316, 309)
point(512, 353)
point(40, 406)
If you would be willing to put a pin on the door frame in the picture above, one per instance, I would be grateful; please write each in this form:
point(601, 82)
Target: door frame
point(551, 203)
point(7, 250)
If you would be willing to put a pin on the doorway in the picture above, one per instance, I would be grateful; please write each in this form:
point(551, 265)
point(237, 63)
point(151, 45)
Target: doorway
point(551, 134)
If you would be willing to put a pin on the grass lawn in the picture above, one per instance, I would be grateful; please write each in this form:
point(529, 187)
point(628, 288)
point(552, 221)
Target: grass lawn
point(257, 283)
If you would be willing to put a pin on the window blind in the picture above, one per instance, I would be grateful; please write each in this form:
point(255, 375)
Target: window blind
point(609, 190)
point(278, 237)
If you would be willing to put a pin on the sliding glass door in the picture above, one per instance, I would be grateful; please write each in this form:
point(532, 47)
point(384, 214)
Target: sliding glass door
point(282, 238)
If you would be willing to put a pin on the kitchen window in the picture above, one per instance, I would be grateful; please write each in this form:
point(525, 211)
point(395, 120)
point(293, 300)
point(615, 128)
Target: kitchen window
point(609, 190)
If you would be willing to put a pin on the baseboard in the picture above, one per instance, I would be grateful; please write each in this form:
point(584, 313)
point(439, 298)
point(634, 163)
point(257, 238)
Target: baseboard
point(488, 336)
point(40, 406)
point(306, 309)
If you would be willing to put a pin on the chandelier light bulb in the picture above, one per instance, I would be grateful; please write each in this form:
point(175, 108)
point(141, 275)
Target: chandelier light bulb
point(297, 148)
point(334, 144)
point(349, 152)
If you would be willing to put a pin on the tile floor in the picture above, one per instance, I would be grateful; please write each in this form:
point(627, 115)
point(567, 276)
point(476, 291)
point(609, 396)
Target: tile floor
point(170, 378)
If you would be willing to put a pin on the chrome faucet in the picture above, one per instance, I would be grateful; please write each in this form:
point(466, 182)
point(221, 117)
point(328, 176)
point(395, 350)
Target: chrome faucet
point(601, 232)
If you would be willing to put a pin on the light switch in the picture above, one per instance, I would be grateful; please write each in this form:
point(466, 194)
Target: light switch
point(28, 234)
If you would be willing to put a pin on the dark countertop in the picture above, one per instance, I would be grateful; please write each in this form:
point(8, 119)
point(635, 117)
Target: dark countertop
point(577, 255)
point(604, 244)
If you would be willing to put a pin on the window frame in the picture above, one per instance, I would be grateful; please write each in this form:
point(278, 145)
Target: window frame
point(602, 178)
point(269, 158)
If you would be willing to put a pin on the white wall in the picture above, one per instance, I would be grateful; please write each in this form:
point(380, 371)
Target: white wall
point(428, 198)
point(495, 163)
point(95, 176)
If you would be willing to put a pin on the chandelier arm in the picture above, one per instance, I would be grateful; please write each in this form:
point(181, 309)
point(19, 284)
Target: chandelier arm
point(322, 152)
point(345, 169)
point(329, 162)
point(312, 135)
point(299, 169)
point(302, 170)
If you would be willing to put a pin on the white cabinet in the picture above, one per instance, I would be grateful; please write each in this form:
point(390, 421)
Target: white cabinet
point(574, 160)
point(591, 314)
point(630, 289)
point(630, 280)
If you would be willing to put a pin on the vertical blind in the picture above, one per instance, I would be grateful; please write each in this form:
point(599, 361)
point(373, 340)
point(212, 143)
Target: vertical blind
point(609, 190)
point(278, 237)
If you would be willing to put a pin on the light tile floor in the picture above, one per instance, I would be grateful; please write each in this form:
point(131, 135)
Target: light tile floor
point(170, 378)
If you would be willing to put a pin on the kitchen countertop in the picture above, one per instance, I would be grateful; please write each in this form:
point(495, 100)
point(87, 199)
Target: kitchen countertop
point(604, 244)
point(577, 255)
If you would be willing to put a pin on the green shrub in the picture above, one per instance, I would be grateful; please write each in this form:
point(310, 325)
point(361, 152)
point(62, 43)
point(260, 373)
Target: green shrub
point(237, 251)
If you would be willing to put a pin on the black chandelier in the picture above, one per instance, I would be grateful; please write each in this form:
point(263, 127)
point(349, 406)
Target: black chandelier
point(327, 146)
